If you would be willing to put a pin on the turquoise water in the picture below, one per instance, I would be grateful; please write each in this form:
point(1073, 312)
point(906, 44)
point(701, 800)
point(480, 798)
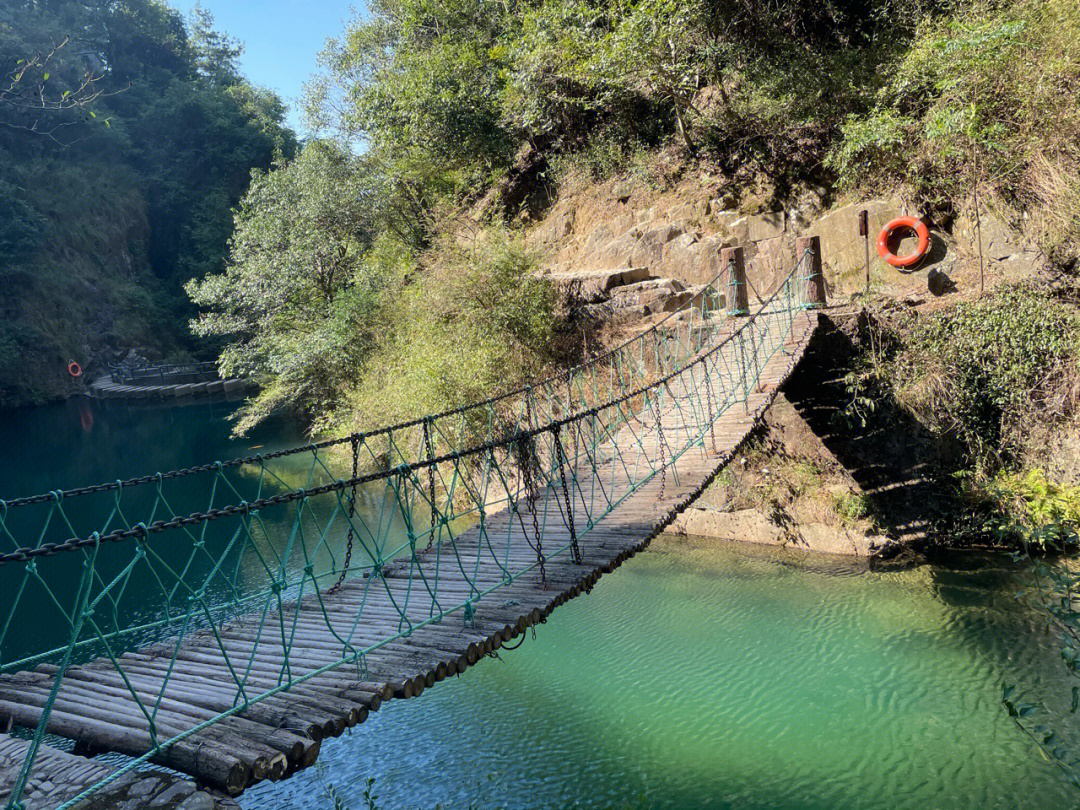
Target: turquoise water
point(719, 676)
point(698, 675)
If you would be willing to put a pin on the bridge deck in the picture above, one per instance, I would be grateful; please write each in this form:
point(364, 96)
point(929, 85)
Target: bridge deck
point(282, 733)
point(58, 777)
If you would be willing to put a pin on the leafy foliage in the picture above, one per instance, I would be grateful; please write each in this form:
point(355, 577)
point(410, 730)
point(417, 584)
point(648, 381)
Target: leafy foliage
point(117, 182)
point(298, 297)
point(1036, 511)
point(477, 323)
point(987, 97)
point(981, 368)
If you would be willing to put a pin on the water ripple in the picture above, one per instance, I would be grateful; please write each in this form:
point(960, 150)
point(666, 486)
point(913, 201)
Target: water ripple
point(715, 676)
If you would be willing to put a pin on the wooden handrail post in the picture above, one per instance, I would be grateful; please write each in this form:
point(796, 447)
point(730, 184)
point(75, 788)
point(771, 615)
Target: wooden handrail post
point(732, 258)
point(808, 251)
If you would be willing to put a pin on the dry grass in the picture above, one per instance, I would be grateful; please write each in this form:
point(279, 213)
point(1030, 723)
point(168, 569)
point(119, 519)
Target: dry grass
point(1052, 184)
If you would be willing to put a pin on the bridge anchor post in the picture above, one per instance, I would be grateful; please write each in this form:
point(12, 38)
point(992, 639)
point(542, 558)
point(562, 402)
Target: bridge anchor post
point(808, 251)
point(738, 299)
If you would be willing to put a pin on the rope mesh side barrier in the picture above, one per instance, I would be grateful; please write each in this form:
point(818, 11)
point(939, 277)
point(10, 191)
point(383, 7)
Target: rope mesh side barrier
point(166, 615)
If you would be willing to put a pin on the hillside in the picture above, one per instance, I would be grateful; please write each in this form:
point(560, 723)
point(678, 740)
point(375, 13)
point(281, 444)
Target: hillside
point(127, 136)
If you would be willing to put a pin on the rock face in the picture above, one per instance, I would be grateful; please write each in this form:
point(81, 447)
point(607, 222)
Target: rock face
point(678, 234)
point(592, 286)
point(1004, 250)
point(951, 263)
point(843, 251)
point(655, 295)
point(674, 235)
point(622, 295)
point(752, 526)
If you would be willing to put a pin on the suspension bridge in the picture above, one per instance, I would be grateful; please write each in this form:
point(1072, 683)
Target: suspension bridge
point(222, 620)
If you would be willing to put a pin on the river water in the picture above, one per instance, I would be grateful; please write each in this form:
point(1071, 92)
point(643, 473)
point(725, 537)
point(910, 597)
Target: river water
point(700, 674)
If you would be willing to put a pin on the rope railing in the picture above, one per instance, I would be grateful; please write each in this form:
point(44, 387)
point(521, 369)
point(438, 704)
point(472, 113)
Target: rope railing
point(272, 574)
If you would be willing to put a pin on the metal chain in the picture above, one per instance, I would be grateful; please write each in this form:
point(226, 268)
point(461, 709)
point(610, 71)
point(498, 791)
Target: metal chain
point(575, 551)
point(660, 446)
point(352, 513)
point(431, 479)
point(709, 404)
point(528, 462)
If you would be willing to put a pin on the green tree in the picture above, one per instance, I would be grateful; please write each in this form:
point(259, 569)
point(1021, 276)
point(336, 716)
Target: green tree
point(127, 136)
point(297, 296)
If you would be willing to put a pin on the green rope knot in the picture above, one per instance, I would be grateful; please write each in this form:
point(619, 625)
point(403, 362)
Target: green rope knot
point(377, 568)
point(198, 543)
point(275, 587)
point(31, 567)
point(403, 469)
point(57, 495)
point(219, 466)
point(309, 570)
point(470, 612)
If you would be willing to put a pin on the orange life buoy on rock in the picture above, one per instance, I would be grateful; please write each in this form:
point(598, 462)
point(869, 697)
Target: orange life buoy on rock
point(74, 369)
point(911, 223)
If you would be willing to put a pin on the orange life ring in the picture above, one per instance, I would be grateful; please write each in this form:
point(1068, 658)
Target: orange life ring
point(74, 369)
point(913, 224)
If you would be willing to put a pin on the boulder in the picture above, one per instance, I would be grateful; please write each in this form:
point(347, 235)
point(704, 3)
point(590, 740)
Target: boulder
point(1004, 248)
point(598, 238)
point(999, 240)
point(768, 264)
point(770, 225)
point(649, 249)
point(692, 260)
point(835, 540)
point(939, 283)
point(753, 526)
point(655, 295)
point(620, 252)
point(591, 286)
point(622, 191)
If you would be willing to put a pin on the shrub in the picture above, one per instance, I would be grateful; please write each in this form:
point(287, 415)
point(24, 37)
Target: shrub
point(852, 507)
point(981, 368)
point(1032, 509)
point(984, 96)
point(476, 323)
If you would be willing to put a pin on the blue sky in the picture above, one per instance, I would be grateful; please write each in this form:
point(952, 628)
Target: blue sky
point(282, 38)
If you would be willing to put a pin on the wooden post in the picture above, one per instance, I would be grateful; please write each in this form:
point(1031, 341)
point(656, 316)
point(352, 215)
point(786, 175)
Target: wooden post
point(733, 261)
point(808, 253)
point(864, 232)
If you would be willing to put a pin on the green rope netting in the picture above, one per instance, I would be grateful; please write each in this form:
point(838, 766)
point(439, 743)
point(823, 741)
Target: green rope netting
point(165, 561)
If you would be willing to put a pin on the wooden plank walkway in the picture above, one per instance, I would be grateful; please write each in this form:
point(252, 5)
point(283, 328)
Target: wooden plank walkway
point(59, 776)
point(282, 733)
